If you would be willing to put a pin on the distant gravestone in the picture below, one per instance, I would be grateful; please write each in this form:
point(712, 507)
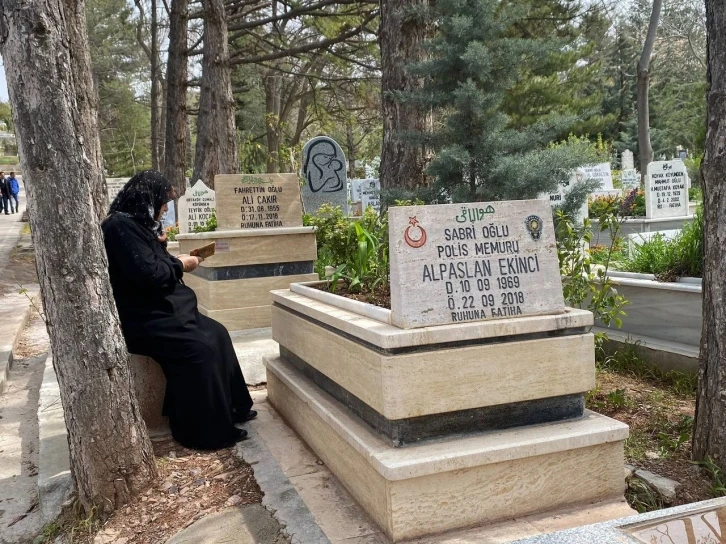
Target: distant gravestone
point(371, 194)
point(456, 263)
point(258, 201)
point(558, 197)
point(196, 207)
point(630, 179)
point(356, 189)
point(114, 186)
point(626, 160)
point(599, 172)
point(666, 190)
point(324, 172)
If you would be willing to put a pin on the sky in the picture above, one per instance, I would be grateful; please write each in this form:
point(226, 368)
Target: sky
point(3, 84)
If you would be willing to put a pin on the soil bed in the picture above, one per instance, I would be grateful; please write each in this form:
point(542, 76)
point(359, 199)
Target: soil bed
point(191, 485)
point(660, 417)
point(380, 296)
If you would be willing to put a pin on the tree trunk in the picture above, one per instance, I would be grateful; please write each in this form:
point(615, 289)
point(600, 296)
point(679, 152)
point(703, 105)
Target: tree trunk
point(644, 148)
point(273, 83)
point(176, 97)
point(110, 451)
point(155, 89)
point(709, 436)
point(401, 37)
point(350, 144)
point(216, 151)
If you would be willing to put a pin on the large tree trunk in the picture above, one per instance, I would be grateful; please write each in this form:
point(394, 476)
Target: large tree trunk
point(216, 151)
point(273, 84)
point(644, 148)
point(709, 437)
point(176, 97)
point(110, 451)
point(155, 89)
point(401, 37)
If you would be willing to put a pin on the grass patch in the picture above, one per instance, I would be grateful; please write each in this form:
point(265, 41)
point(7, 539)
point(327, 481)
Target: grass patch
point(74, 526)
point(25, 229)
point(9, 159)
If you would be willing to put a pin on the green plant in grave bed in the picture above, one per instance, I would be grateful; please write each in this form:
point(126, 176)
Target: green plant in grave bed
point(365, 268)
point(716, 475)
point(210, 226)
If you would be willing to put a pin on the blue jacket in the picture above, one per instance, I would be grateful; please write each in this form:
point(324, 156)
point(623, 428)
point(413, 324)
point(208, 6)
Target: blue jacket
point(14, 187)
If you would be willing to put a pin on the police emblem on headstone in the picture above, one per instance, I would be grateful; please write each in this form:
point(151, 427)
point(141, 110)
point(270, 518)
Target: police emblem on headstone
point(534, 226)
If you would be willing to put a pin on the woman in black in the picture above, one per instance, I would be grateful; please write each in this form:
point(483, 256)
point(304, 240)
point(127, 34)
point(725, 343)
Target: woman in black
point(205, 392)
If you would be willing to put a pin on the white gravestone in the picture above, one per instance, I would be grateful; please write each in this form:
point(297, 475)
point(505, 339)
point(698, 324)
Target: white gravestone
point(114, 186)
point(356, 189)
point(196, 207)
point(371, 195)
point(666, 190)
point(600, 172)
point(325, 175)
point(563, 188)
point(630, 179)
point(456, 263)
point(626, 160)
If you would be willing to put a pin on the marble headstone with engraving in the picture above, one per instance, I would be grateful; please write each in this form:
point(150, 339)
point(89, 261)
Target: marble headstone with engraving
point(114, 186)
point(196, 207)
point(600, 172)
point(626, 160)
point(455, 263)
point(557, 198)
point(371, 194)
point(324, 171)
point(666, 190)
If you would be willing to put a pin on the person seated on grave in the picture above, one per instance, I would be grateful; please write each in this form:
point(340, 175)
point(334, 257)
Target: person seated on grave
point(206, 393)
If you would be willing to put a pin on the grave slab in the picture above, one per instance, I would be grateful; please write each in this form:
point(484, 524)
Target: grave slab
point(324, 170)
point(666, 190)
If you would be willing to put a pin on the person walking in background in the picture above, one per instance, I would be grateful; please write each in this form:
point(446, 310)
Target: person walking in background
point(4, 192)
point(14, 188)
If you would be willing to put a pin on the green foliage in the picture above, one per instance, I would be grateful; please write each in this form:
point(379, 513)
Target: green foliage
point(171, 232)
point(366, 267)
point(641, 497)
point(6, 115)
point(716, 474)
point(632, 205)
point(209, 226)
point(474, 61)
point(584, 284)
point(695, 194)
point(671, 259)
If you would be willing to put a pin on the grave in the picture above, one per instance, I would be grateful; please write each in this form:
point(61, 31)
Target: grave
point(563, 188)
point(600, 172)
point(324, 171)
point(114, 186)
point(464, 403)
point(626, 160)
point(371, 195)
point(666, 190)
point(630, 179)
point(260, 245)
point(196, 207)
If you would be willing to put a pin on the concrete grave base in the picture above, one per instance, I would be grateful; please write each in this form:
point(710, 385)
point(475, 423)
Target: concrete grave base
point(460, 481)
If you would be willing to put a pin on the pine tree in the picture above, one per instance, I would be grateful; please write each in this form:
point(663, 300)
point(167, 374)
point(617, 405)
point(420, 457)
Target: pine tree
point(474, 61)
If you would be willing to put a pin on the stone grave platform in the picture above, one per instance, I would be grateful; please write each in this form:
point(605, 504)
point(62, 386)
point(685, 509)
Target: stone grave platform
point(444, 427)
point(233, 285)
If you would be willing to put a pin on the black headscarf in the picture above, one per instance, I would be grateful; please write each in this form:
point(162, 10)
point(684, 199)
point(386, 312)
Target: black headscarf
point(142, 198)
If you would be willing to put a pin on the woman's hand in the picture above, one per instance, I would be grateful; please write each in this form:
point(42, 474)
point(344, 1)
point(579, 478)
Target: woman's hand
point(188, 262)
point(163, 238)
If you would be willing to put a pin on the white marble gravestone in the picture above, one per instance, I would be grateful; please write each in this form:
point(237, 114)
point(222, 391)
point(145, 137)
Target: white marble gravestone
point(196, 207)
point(371, 194)
point(456, 263)
point(630, 179)
point(114, 186)
point(600, 172)
point(666, 190)
point(626, 160)
point(558, 197)
point(324, 171)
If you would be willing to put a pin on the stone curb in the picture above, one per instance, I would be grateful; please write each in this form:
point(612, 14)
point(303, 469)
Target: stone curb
point(280, 498)
point(54, 474)
point(7, 351)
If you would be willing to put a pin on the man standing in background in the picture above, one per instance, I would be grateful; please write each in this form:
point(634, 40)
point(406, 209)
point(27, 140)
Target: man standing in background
point(4, 192)
point(14, 188)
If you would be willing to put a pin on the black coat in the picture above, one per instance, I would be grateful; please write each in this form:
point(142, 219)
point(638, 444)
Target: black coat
point(4, 187)
point(205, 388)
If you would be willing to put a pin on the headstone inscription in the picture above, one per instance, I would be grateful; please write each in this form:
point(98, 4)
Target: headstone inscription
point(325, 173)
point(257, 201)
point(600, 172)
point(626, 160)
point(371, 194)
point(196, 207)
point(455, 263)
point(630, 179)
point(114, 186)
point(666, 190)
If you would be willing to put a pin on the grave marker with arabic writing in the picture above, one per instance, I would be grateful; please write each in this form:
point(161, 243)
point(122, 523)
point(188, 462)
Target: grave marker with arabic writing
point(456, 263)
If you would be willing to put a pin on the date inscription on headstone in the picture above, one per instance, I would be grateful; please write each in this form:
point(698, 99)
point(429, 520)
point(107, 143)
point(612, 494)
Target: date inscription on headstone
point(457, 263)
point(261, 201)
point(666, 189)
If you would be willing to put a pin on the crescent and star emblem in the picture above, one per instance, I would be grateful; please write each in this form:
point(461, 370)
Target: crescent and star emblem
point(413, 225)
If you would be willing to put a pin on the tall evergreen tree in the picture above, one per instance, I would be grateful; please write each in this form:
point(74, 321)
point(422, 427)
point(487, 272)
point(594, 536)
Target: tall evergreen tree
point(474, 62)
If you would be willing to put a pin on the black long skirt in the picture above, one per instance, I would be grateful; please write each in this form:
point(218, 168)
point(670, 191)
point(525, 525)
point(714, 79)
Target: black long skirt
point(205, 388)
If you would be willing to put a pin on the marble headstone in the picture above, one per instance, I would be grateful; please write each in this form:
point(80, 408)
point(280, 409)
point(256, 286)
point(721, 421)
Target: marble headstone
point(626, 160)
point(630, 179)
point(599, 172)
point(196, 207)
point(261, 201)
point(666, 190)
point(114, 186)
point(371, 194)
point(456, 263)
point(324, 171)
point(558, 197)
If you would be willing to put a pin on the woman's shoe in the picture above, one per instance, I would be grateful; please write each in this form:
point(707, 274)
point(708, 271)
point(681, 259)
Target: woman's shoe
point(252, 414)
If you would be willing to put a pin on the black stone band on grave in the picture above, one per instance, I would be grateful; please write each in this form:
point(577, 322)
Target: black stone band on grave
point(239, 272)
point(400, 432)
